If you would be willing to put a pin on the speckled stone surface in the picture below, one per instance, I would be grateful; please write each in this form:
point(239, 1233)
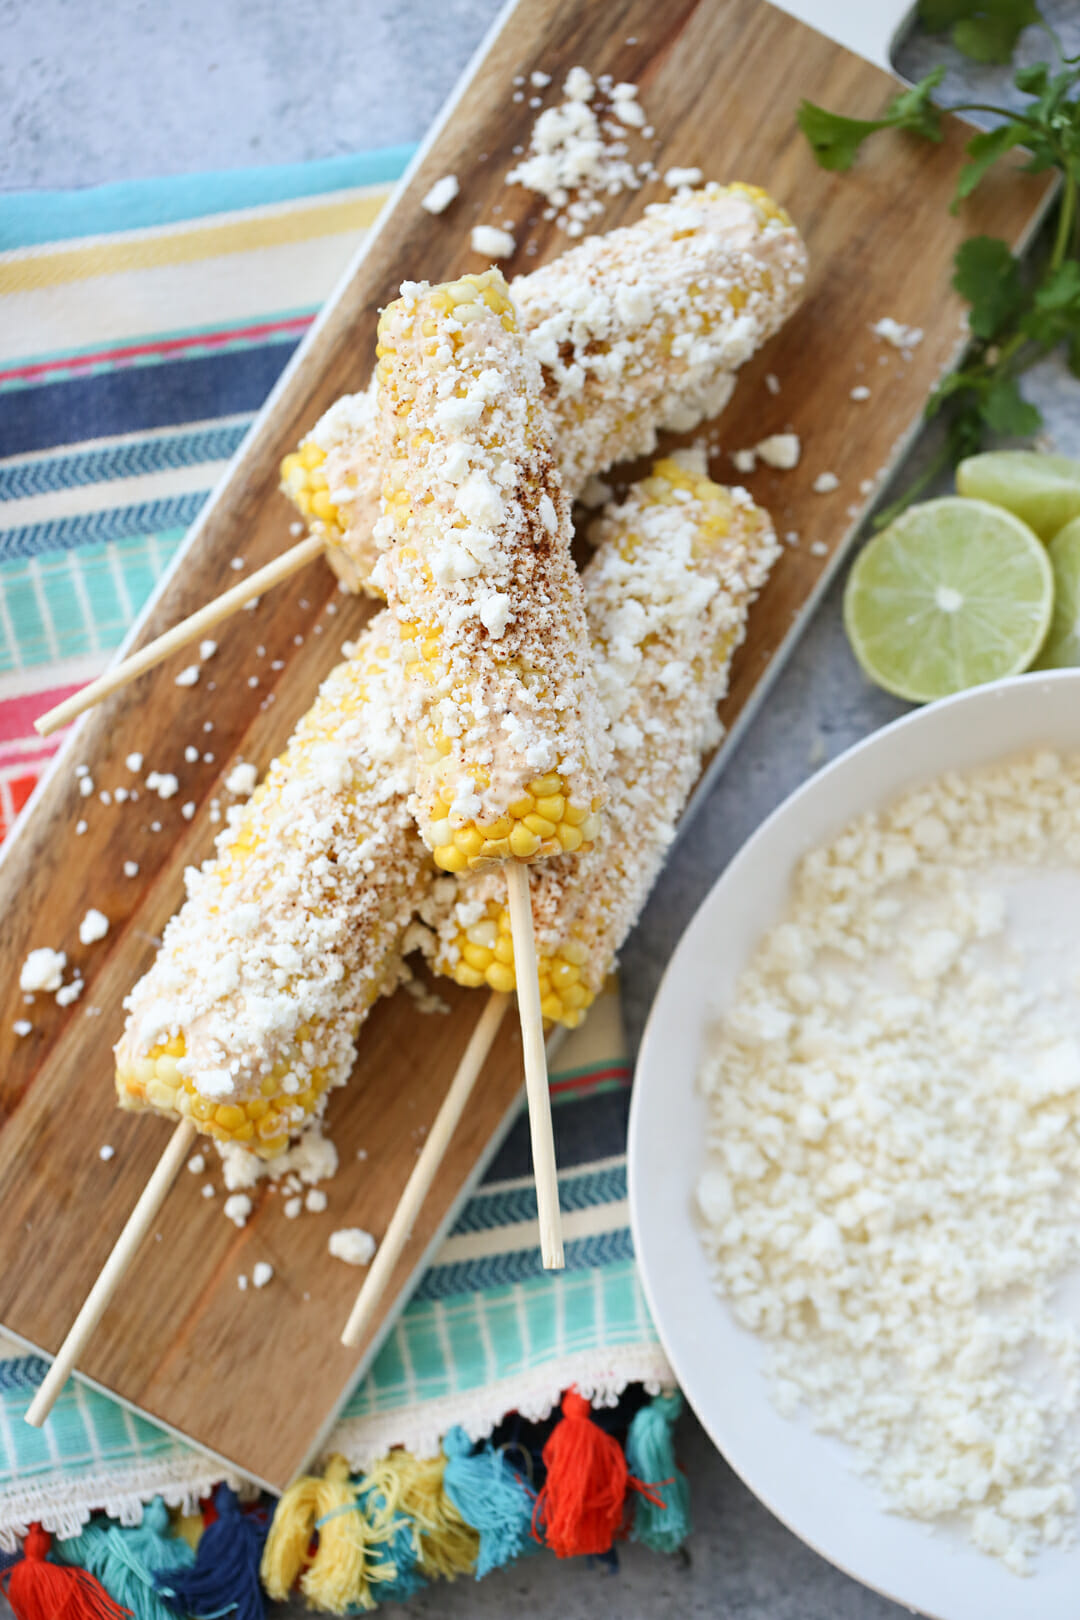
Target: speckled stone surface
point(99, 92)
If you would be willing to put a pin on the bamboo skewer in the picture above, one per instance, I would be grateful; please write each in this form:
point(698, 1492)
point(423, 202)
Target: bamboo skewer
point(109, 1278)
point(426, 1168)
point(536, 1075)
point(181, 635)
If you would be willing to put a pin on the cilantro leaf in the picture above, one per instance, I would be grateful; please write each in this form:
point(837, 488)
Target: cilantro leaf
point(1032, 80)
point(988, 276)
point(983, 152)
point(836, 140)
point(985, 30)
point(1006, 411)
point(1055, 312)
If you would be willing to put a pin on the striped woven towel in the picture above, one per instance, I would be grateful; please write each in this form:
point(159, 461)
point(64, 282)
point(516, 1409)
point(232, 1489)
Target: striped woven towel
point(143, 325)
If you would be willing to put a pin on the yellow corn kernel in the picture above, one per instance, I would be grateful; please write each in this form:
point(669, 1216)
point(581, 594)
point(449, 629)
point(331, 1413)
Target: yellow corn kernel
point(500, 977)
point(523, 842)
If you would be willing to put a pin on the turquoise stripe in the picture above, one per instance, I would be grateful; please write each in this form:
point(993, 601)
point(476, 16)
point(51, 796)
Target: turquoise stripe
point(504, 1207)
point(30, 218)
point(134, 458)
point(498, 1270)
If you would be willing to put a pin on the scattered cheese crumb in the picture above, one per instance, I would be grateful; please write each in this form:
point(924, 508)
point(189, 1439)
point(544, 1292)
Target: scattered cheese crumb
point(207, 649)
point(94, 926)
point(316, 1201)
point(682, 177)
point(80, 828)
point(241, 1282)
point(859, 393)
point(86, 786)
point(197, 1164)
point(238, 1207)
point(241, 780)
point(539, 80)
point(208, 1192)
point(237, 563)
point(745, 460)
point(188, 676)
point(818, 548)
point(163, 783)
point(866, 486)
point(292, 1207)
point(825, 483)
point(261, 1273)
point(896, 333)
point(68, 993)
point(780, 450)
point(492, 242)
point(134, 763)
point(22, 1026)
point(106, 1152)
point(105, 796)
point(191, 754)
point(772, 382)
point(353, 1245)
point(42, 970)
point(441, 194)
point(188, 810)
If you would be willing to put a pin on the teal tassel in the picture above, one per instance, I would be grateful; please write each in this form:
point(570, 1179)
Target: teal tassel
point(402, 1550)
point(490, 1497)
point(662, 1510)
point(126, 1561)
point(224, 1579)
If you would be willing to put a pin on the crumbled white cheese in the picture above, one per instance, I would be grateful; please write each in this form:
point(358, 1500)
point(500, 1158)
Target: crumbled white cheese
point(106, 1151)
point(238, 1207)
point(896, 333)
point(80, 828)
point(241, 1282)
point(207, 649)
point(292, 1207)
point(825, 483)
point(188, 810)
point(262, 1272)
point(134, 763)
point(163, 783)
point(86, 786)
point(42, 970)
point(780, 450)
point(315, 1201)
point(207, 1190)
point(22, 1026)
point(94, 926)
point(197, 1164)
point(191, 754)
point(744, 460)
point(241, 780)
point(188, 676)
point(674, 178)
point(353, 1245)
point(818, 548)
point(492, 242)
point(69, 993)
point(441, 194)
point(772, 382)
point(859, 393)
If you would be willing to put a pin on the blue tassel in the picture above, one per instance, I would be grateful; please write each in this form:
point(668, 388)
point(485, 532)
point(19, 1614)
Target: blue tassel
point(491, 1497)
point(224, 1579)
point(662, 1509)
point(402, 1550)
point(126, 1561)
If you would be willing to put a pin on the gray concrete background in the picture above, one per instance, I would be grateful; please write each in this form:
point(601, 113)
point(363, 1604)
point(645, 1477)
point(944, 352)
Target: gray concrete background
point(91, 92)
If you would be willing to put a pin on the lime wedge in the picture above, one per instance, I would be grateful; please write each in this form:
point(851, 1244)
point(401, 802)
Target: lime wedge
point(1042, 490)
point(1062, 646)
point(954, 593)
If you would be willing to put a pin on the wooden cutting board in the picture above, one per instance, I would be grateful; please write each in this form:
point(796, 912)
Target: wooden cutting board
point(257, 1377)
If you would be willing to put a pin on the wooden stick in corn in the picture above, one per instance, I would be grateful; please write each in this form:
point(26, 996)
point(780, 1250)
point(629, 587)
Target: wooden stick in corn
point(500, 699)
point(112, 1273)
point(677, 565)
point(248, 1016)
point(637, 330)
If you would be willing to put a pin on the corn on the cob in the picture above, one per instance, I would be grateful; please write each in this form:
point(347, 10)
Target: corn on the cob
point(501, 700)
point(666, 594)
point(249, 1013)
point(637, 330)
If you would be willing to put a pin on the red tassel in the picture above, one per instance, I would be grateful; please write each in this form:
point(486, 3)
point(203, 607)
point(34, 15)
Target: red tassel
point(38, 1589)
point(580, 1509)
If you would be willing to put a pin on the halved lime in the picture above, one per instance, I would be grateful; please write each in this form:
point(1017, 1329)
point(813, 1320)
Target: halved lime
point(954, 593)
point(1042, 490)
point(1062, 645)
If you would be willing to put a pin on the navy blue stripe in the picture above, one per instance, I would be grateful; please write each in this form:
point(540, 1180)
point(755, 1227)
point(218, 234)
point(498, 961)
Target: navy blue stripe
point(586, 1129)
point(93, 528)
point(488, 1211)
point(22, 479)
point(25, 1373)
point(139, 398)
point(501, 1270)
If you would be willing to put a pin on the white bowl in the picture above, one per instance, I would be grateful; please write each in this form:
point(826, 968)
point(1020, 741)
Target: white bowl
point(804, 1478)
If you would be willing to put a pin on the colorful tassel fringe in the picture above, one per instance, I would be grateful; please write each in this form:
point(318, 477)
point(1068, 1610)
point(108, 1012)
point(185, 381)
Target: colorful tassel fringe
point(662, 1511)
point(127, 1561)
point(580, 1508)
point(350, 1545)
point(224, 1579)
point(490, 1496)
point(39, 1589)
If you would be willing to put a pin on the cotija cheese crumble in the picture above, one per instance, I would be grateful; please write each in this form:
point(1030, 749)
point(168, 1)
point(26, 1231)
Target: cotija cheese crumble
point(891, 1198)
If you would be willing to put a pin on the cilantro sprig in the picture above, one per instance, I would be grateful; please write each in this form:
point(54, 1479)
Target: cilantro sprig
point(1017, 315)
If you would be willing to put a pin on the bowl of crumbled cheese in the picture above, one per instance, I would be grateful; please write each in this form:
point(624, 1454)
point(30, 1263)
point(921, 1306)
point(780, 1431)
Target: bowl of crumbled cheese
point(855, 1157)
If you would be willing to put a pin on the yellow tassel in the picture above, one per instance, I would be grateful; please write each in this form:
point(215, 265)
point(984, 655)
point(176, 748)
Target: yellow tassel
point(189, 1526)
point(413, 1486)
point(337, 1576)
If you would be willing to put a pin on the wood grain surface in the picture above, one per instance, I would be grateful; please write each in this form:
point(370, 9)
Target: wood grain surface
point(257, 1377)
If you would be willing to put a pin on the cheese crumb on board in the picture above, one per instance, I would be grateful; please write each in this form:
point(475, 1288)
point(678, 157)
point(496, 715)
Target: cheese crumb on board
point(163, 783)
point(42, 970)
point(196, 1164)
point(825, 483)
point(772, 382)
point(131, 869)
point(780, 450)
point(292, 1207)
point(94, 926)
point(492, 242)
point(315, 1201)
point(22, 1027)
point(80, 828)
point(207, 649)
point(106, 1151)
point(134, 763)
point(188, 676)
point(439, 197)
point(744, 461)
point(238, 1207)
point(675, 178)
point(68, 993)
point(241, 1282)
point(896, 333)
point(241, 780)
point(262, 1272)
point(859, 393)
point(353, 1245)
point(890, 1194)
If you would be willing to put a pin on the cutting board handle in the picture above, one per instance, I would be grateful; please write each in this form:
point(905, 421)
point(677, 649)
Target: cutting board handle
point(870, 28)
